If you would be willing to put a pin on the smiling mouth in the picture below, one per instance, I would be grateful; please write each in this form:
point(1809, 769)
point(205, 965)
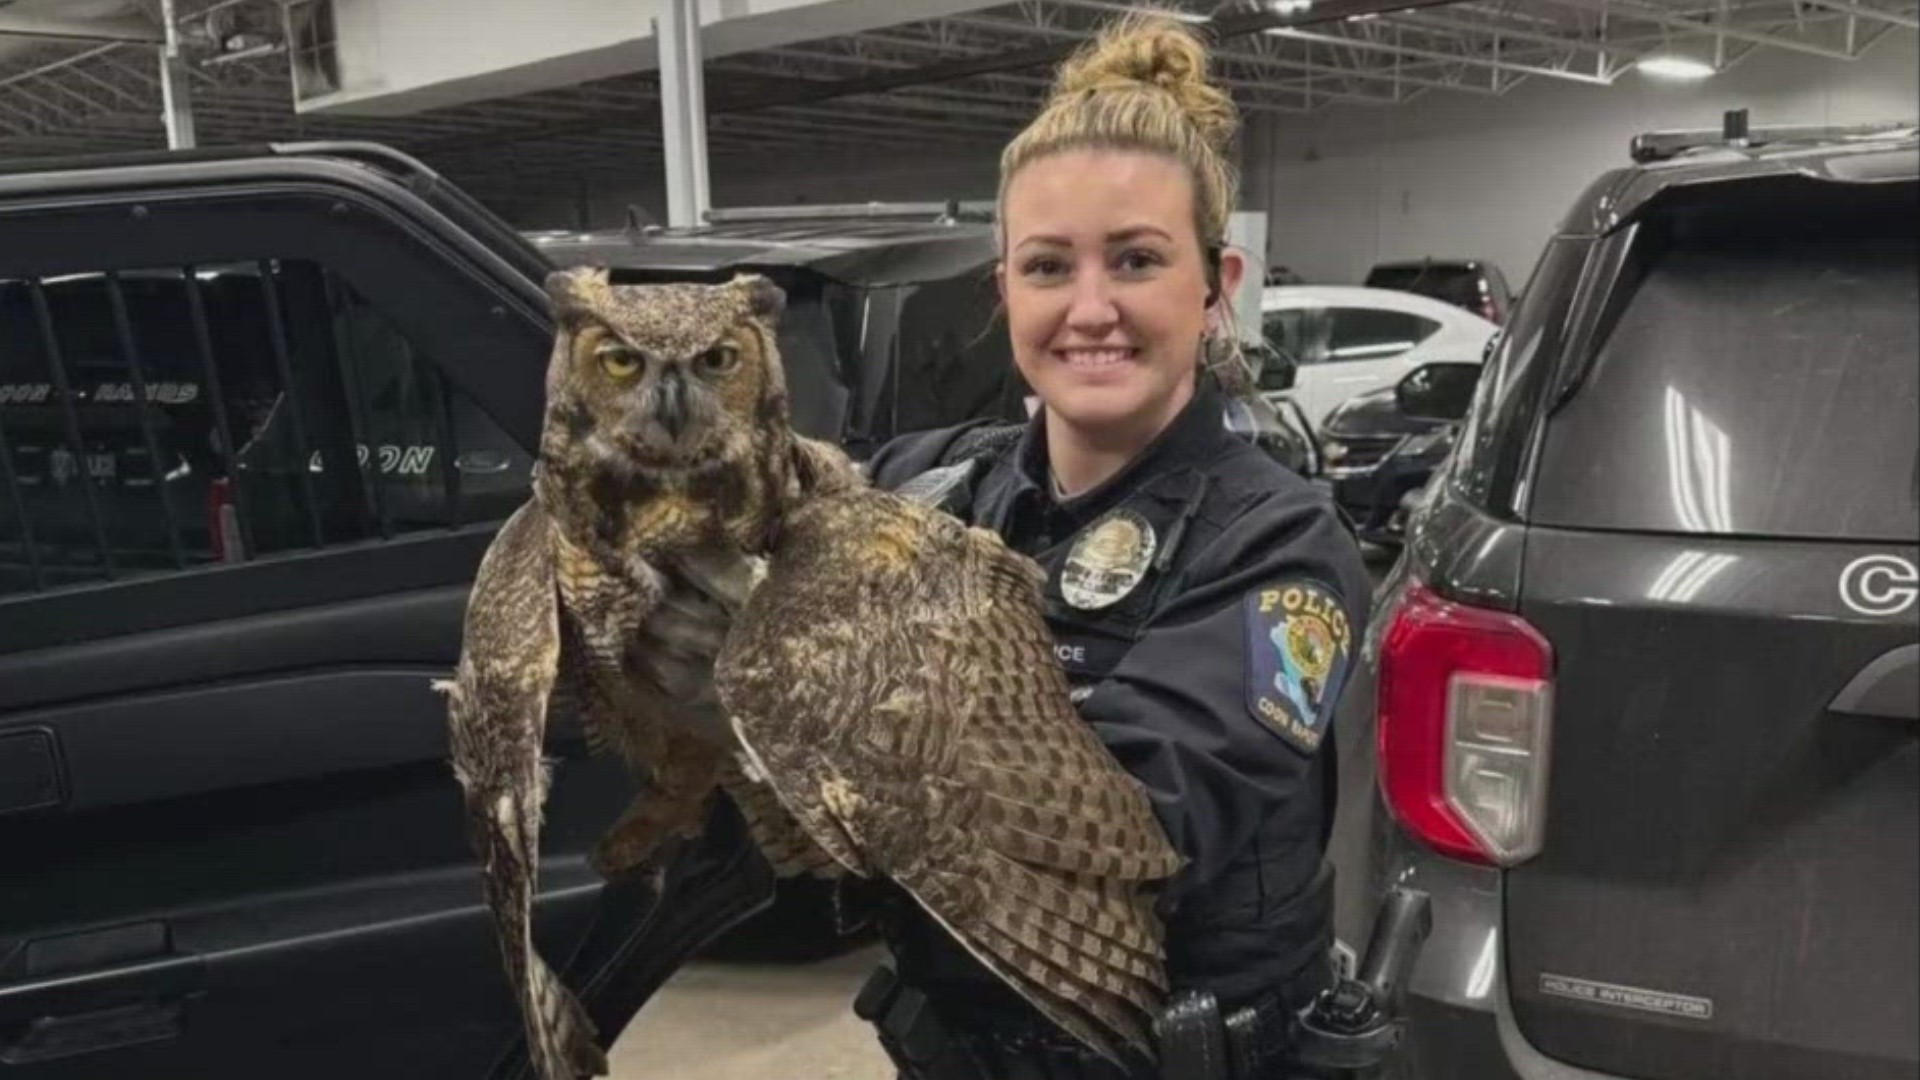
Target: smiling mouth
point(1095, 359)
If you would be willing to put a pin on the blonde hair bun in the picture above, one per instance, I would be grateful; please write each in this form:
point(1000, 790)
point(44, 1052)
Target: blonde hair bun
point(1152, 50)
point(1141, 85)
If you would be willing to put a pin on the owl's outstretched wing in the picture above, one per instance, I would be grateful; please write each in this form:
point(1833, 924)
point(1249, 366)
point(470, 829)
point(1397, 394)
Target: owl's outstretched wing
point(497, 715)
point(894, 681)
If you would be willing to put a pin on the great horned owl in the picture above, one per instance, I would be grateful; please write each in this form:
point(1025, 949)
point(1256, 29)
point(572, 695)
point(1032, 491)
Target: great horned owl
point(892, 707)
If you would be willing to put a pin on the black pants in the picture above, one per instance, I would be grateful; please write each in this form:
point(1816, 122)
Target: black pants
point(991, 1041)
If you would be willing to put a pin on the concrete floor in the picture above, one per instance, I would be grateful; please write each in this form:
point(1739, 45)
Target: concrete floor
point(735, 1021)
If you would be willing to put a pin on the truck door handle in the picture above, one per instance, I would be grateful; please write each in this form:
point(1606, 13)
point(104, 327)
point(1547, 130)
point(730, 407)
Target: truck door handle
point(1888, 688)
point(60, 1010)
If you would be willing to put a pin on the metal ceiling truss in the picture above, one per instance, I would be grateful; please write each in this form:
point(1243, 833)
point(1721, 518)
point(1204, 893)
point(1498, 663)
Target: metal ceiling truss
point(968, 80)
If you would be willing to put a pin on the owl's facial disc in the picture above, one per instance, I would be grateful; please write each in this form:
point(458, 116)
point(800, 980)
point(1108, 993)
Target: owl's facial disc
point(652, 412)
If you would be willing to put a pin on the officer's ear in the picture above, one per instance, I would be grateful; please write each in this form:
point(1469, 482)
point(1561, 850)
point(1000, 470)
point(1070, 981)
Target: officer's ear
point(1226, 268)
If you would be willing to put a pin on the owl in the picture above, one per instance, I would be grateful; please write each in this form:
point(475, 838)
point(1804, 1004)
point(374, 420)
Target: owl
point(885, 703)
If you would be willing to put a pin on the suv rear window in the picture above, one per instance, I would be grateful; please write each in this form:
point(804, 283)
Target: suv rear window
point(1453, 284)
point(1759, 379)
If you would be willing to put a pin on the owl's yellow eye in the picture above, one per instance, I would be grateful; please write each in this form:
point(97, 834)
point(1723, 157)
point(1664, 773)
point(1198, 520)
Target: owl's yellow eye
point(720, 359)
point(617, 360)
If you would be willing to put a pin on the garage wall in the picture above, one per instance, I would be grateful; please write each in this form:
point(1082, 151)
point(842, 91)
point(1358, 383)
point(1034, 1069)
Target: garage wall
point(1448, 174)
point(1454, 175)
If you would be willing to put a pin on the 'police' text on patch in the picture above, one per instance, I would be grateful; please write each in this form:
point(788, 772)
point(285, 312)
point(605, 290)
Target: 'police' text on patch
point(1299, 643)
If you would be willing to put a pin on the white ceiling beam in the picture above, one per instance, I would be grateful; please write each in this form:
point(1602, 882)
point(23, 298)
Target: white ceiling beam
point(1707, 27)
point(1273, 61)
point(1431, 54)
point(38, 70)
point(1907, 20)
point(1424, 20)
point(46, 27)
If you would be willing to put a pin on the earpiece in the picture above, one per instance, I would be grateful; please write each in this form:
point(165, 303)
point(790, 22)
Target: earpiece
point(1213, 274)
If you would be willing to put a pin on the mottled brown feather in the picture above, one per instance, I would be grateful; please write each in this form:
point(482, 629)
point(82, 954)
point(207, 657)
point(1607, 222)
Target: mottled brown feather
point(620, 526)
point(497, 714)
point(892, 683)
point(895, 679)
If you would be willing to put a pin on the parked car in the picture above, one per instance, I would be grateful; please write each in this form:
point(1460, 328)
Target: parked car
point(1638, 704)
point(889, 325)
point(1382, 447)
point(1347, 341)
point(1475, 285)
point(1277, 428)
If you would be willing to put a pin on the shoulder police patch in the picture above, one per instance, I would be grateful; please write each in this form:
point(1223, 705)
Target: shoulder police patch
point(1299, 645)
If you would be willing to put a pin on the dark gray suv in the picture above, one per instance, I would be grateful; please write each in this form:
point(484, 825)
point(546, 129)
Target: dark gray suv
point(1640, 702)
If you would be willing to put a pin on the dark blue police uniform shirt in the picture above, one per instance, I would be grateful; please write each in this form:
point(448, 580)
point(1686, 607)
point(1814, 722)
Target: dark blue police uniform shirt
point(1213, 679)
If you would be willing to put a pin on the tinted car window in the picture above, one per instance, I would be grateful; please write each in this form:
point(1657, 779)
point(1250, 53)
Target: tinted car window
point(1487, 454)
point(1452, 284)
point(810, 353)
point(1752, 384)
point(1356, 333)
point(819, 333)
point(952, 362)
point(158, 420)
point(1290, 332)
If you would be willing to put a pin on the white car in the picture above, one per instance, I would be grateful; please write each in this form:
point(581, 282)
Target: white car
point(1348, 340)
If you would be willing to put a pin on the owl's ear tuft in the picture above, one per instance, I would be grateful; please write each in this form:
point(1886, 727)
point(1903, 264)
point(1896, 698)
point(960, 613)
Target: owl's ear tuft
point(576, 288)
point(764, 299)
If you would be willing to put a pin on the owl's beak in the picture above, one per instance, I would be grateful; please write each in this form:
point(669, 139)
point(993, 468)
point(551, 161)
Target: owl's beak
point(670, 404)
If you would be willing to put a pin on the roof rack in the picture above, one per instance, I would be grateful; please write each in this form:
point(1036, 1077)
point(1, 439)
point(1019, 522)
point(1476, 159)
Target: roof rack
point(1734, 133)
point(940, 212)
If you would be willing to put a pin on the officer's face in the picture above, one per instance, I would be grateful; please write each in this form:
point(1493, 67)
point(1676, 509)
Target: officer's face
point(1105, 287)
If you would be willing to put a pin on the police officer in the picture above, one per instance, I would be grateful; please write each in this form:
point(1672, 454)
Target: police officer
point(1205, 602)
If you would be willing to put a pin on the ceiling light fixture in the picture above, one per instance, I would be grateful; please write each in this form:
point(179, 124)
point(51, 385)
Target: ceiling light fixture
point(1675, 68)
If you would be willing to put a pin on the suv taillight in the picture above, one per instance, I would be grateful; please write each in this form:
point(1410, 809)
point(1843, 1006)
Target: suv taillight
point(1466, 711)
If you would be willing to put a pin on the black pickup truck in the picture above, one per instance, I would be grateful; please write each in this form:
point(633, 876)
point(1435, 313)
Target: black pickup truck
point(261, 411)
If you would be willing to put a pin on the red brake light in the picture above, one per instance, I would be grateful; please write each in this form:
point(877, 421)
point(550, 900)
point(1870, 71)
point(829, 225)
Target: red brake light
point(1466, 698)
point(223, 522)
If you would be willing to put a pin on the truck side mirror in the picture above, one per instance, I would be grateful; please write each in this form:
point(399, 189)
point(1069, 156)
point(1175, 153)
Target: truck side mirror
point(1441, 392)
point(1278, 369)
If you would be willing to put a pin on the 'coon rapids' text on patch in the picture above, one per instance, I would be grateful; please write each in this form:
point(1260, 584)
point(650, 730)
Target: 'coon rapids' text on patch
point(1627, 997)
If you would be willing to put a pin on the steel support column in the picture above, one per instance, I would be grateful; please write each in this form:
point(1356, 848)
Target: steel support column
point(176, 103)
point(683, 110)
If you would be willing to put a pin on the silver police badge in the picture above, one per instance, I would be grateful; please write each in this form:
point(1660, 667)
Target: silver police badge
point(1107, 561)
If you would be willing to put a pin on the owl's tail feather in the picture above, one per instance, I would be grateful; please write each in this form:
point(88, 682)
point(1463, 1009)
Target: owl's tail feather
point(1062, 946)
point(1097, 935)
point(1043, 914)
point(560, 1035)
point(561, 1040)
point(1108, 1024)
